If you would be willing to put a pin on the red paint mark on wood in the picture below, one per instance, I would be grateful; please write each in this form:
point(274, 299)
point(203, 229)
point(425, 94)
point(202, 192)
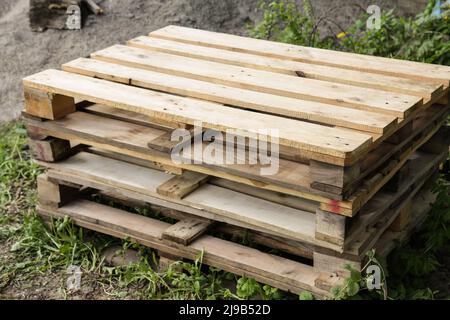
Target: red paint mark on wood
point(335, 206)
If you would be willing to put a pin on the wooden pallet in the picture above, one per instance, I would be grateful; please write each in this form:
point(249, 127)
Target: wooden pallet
point(344, 128)
point(331, 108)
point(66, 195)
point(223, 200)
point(129, 134)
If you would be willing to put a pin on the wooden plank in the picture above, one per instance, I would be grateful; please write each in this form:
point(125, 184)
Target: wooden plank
point(399, 68)
point(303, 135)
point(130, 140)
point(132, 117)
point(219, 253)
point(166, 144)
point(47, 105)
point(186, 231)
point(180, 186)
point(311, 71)
point(395, 104)
point(295, 108)
point(325, 263)
point(286, 245)
point(276, 197)
point(221, 202)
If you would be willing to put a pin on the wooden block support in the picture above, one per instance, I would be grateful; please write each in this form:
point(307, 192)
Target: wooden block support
point(49, 149)
point(186, 231)
point(180, 186)
point(403, 218)
point(324, 263)
point(330, 227)
point(332, 178)
point(53, 194)
point(48, 105)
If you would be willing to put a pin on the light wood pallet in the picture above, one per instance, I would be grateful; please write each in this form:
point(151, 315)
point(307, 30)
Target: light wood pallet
point(336, 112)
point(121, 140)
point(63, 191)
point(283, 216)
point(129, 133)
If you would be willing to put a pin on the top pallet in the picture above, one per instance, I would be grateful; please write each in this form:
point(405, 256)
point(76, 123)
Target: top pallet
point(329, 106)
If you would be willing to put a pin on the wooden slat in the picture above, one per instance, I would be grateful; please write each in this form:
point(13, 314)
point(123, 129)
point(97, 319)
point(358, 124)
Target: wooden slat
point(295, 108)
point(132, 117)
point(287, 153)
point(274, 270)
point(130, 140)
point(399, 68)
point(180, 186)
point(339, 143)
point(395, 104)
point(312, 71)
point(186, 231)
point(288, 222)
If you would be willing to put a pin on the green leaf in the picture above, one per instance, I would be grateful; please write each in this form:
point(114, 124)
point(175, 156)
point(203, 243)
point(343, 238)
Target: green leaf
point(352, 288)
point(306, 296)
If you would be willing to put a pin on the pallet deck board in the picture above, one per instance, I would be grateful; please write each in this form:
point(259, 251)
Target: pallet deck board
point(290, 67)
point(308, 136)
point(217, 252)
point(400, 68)
point(295, 224)
point(284, 106)
point(293, 178)
point(399, 105)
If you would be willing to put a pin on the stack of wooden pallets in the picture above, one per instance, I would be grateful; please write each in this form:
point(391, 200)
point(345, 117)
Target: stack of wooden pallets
point(360, 142)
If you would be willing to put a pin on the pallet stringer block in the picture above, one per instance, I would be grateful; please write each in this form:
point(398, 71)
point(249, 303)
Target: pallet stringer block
point(50, 149)
point(48, 105)
point(330, 227)
point(180, 186)
point(331, 178)
point(186, 231)
point(54, 194)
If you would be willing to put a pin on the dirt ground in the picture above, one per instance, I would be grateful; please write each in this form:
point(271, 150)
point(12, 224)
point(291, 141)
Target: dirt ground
point(23, 52)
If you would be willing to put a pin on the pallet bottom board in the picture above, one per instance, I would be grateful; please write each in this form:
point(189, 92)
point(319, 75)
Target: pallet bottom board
point(273, 270)
point(207, 201)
